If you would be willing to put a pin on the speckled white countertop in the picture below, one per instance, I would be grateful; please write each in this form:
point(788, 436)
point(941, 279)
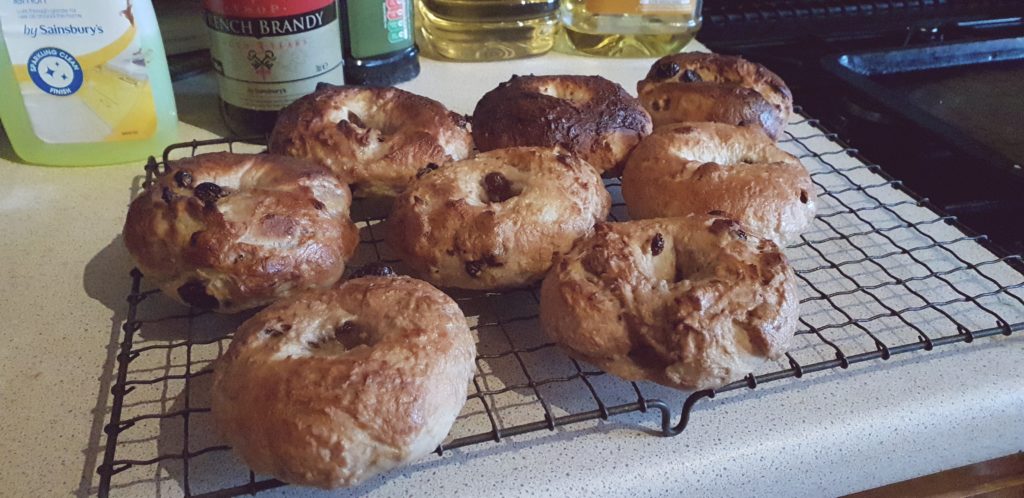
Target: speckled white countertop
point(64, 276)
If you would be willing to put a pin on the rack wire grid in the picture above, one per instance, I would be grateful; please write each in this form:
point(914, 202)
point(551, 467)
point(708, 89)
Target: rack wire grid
point(883, 273)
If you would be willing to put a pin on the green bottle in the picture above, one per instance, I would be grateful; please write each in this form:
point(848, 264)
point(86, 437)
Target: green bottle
point(84, 83)
point(377, 40)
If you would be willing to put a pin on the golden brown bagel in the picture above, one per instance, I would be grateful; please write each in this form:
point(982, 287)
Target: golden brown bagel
point(691, 303)
point(331, 387)
point(695, 86)
point(694, 168)
point(234, 231)
point(498, 219)
point(587, 115)
point(377, 138)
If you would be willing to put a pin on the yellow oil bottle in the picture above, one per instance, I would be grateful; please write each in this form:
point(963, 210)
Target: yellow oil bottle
point(482, 30)
point(629, 28)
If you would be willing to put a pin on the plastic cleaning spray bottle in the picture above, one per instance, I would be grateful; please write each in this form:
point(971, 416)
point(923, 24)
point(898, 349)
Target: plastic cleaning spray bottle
point(84, 83)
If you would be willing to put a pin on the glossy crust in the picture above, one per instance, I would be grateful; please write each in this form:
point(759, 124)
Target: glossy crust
point(700, 167)
point(236, 231)
point(377, 138)
point(587, 115)
point(690, 303)
point(696, 86)
point(331, 387)
point(450, 231)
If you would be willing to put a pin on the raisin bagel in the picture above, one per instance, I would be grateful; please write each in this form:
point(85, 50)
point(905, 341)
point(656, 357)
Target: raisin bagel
point(376, 138)
point(691, 303)
point(697, 86)
point(587, 115)
point(693, 168)
point(331, 387)
point(230, 232)
point(498, 219)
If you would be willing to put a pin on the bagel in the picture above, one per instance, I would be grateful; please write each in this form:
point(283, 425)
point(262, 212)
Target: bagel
point(691, 303)
point(229, 232)
point(695, 86)
point(376, 138)
point(498, 219)
point(693, 168)
point(331, 387)
point(587, 115)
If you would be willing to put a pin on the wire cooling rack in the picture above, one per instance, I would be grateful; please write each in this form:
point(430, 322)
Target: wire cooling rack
point(883, 273)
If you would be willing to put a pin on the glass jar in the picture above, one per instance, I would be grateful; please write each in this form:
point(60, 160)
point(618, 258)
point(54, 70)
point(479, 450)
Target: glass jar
point(481, 30)
point(630, 28)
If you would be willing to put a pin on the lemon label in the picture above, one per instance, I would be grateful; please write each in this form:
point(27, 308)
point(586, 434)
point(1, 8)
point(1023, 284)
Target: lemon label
point(81, 71)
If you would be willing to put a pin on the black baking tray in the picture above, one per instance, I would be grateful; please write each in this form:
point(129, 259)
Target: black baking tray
point(969, 94)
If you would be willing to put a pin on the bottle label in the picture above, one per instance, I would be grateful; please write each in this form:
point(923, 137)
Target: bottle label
point(267, 54)
point(81, 70)
point(378, 27)
point(650, 7)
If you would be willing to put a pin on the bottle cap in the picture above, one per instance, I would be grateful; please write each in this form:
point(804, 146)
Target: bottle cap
point(385, 70)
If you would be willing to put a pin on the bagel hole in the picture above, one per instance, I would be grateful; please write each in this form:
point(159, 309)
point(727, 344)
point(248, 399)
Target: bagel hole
point(498, 188)
point(686, 266)
point(343, 337)
point(426, 169)
point(277, 331)
point(575, 96)
point(680, 275)
point(350, 335)
point(355, 119)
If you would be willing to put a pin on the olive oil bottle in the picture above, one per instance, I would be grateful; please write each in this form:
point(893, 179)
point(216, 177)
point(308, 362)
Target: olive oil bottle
point(629, 28)
point(481, 30)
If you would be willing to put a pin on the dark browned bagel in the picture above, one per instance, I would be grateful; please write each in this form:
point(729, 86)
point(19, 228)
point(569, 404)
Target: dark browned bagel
point(375, 138)
point(696, 86)
point(230, 232)
point(586, 115)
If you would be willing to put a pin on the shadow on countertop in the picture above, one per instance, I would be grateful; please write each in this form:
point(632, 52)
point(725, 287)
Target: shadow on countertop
point(106, 279)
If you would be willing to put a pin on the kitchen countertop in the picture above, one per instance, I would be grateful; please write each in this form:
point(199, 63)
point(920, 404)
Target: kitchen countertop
point(64, 274)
